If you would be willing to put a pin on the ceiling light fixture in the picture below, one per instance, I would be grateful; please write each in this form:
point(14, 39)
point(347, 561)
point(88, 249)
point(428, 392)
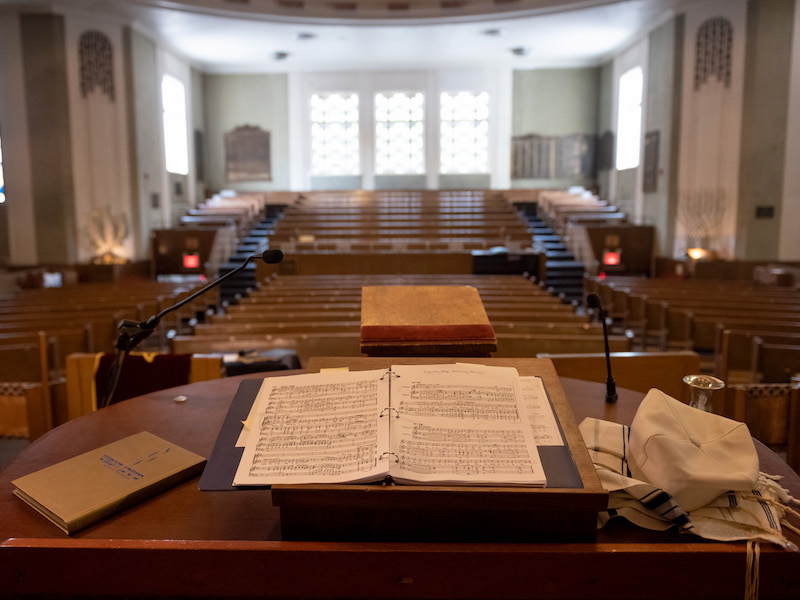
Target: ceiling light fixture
point(520, 51)
point(280, 55)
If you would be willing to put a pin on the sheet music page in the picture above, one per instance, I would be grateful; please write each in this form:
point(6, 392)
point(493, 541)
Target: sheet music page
point(540, 412)
point(317, 428)
point(461, 424)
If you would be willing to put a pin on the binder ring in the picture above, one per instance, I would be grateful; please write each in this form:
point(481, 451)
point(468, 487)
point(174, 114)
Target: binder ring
point(385, 454)
point(390, 409)
point(390, 373)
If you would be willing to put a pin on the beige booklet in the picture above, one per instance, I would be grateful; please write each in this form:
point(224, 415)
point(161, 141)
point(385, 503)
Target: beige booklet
point(91, 486)
point(425, 424)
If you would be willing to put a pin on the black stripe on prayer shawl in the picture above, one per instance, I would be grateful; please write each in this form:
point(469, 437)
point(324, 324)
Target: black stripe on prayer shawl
point(662, 503)
point(767, 512)
point(655, 499)
point(624, 467)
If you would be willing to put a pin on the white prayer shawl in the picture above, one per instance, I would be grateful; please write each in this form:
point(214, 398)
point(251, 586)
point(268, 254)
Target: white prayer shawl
point(754, 515)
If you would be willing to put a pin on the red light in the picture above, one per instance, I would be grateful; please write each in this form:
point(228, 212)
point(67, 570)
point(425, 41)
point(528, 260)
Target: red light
point(611, 258)
point(191, 261)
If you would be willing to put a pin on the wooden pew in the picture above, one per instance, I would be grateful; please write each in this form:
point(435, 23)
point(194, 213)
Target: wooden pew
point(62, 342)
point(638, 371)
point(772, 414)
point(774, 363)
point(26, 389)
point(733, 351)
point(527, 345)
point(304, 345)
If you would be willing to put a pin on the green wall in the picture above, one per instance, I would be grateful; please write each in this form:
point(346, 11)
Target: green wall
point(45, 68)
point(555, 101)
point(605, 106)
point(145, 103)
point(235, 100)
point(764, 120)
point(662, 115)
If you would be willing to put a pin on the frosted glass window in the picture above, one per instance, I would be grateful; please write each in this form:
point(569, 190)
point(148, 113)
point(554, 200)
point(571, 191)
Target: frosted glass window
point(2, 181)
point(465, 132)
point(399, 133)
point(629, 119)
point(334, 134)
point(176, 140)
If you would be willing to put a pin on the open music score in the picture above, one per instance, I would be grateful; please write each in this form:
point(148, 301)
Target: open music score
point(436, 424)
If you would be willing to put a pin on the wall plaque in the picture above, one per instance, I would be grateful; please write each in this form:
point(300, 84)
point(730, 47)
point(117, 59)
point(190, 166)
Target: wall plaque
point(247, 154)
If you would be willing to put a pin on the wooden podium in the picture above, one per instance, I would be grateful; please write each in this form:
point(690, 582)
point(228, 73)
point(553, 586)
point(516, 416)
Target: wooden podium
point(425, 320)
point(345, 512)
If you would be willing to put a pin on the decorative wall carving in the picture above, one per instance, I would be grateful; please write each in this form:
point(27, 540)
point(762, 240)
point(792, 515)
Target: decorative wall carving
point(713, 55)
point(553, 157)
point(96, 63)
point(247, 154)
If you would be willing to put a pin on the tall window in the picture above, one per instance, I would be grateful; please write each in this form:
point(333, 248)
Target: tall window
point(399, 140)
point(2, 181)
point(176, 141)
point(629, 119)
point(334, 134)
point(465, 132)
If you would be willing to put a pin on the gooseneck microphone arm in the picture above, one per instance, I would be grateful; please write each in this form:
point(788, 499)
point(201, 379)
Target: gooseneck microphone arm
point(593, 301)
point(132, 333)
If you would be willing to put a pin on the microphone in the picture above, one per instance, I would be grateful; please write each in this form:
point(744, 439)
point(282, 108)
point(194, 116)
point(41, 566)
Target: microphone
point(593, 301)
point(132, 333)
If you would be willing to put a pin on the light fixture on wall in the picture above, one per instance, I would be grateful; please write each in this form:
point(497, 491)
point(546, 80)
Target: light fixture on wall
point(697, 253)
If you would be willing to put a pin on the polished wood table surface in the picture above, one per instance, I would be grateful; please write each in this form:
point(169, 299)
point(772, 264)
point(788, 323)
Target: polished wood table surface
point(193, 543)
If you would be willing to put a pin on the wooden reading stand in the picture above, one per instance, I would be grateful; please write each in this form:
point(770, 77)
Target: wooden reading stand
point(425, 320)
point(452, 513)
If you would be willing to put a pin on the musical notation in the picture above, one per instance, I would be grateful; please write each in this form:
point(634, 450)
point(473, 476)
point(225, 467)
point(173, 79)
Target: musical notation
point(456, 423)
point(472, 451)
point(313, 429)
point(539, 413)
point(459, 401)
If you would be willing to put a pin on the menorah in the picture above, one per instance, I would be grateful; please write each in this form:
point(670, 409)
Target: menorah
point(701, 212)
point(106, 234)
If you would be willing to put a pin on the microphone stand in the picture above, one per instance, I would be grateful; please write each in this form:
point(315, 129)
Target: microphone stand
point(593, 301)
point(611, 386)
point(132, 333)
